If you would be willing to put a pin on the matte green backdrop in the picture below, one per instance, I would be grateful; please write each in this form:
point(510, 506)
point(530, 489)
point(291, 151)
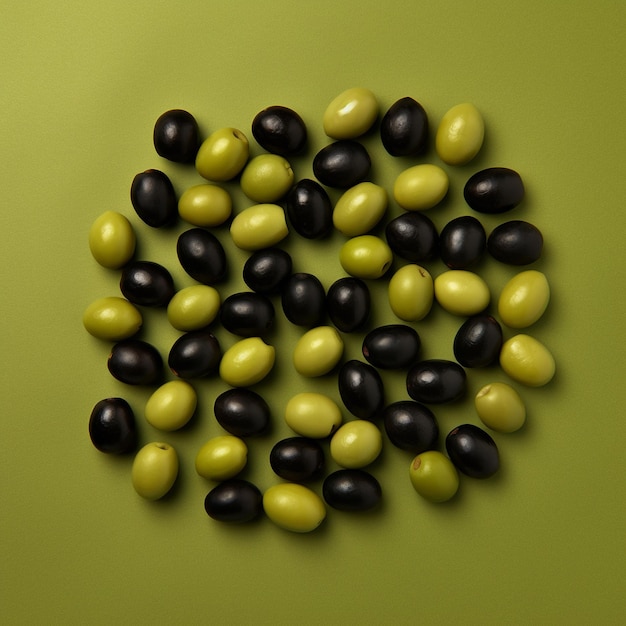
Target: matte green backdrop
point(81, 86)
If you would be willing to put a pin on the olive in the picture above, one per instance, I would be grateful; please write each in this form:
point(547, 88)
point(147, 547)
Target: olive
point(112, 426)
point(462, 242)
point(242, 412)
point(193, 307)
point(266, 178)
point(266, 271)
point(348, 303)
point(135, 362)
point(526, 360)
point(413, 236)
point(176, 136)
point(361, 389)
point(494, 190)
point(356, 444)
point(342, 164)
point(351, 490)
point(394, 346)
point(421, 187)
point(147, 284)
point(247, 314)
point(411, 426)
point(298, 459)
point(411, 292)
point(112, 240)
point(436, 381)
point(309, 209)
point(473, 451)
point(360, 209)
point(294, 507)
point(478, 341)
point(279, 130)
point(365, 256)
point(247, 362)
point(350, 114)
point(112, 318)
point(515, 243)
point(154, 199)
point(234, 501)
point(303, 300)
point(202, 256)
point(404, 128)
point(155, 470)
point(461, 292)
point(195, 354)
point(222, 155)
point(460, 134)
point(318, 351)
point(205, 205)
point(313, 415)
point(259, 226)
point(221, 457)
point(171, 406)
point(434, 476)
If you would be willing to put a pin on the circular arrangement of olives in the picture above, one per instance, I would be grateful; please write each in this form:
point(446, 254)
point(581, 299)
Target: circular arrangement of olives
point(279, 204)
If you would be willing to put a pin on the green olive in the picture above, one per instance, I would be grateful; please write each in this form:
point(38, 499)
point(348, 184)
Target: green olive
point(193, 307)
point(112, 240)
point(312, 415)
point(524, 299)
point(460, 134)
point(359, 209)
point(171, 405)
point(365, 256)
point(356, 444)
point(222, 155)
point(294, 507)
point(527, 360)
point(247, 362)
point(221, 457)
point(205, 205)
point(112, 319)
point(155, 469)
point(434, 476)
point(411, 293)
point(420, 187)
point(259, 226)
point(318, 351)
point(266, 178)
point(461, 292)
point(351, 114)
point(500, 407)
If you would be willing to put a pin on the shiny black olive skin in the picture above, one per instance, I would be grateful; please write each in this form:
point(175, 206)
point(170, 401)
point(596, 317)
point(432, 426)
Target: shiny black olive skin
point(361, 389)
point(202, 256)
point(413, 236)
point(472, 451)
point(195, 354)
point(309, 209)
point(478, 342)
point(303, 300)
point(266, 271)
point(462, 242)
point(411, 426)
point(112, 427)
point(351, 490)
point(154, 199)
point(234, 501)
point(176, 136)
point(247, 314)
point(348, 304)
point(515, 243)
point(298, 459)
point(436, 381)
point(494, 190)
point(342, 164)
point(147, 284)
point(242, 412)
point(135, 362)
point(394, 346)
point(280, 130)
point(404, 128)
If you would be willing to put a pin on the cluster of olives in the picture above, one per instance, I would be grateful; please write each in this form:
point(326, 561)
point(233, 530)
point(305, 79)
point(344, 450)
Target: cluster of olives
point(281, 203)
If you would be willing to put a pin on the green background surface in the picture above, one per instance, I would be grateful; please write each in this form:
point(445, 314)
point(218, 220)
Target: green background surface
point(81, 87)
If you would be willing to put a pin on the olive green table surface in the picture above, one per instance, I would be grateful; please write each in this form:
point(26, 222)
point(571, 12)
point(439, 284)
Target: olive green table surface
point(82, 85)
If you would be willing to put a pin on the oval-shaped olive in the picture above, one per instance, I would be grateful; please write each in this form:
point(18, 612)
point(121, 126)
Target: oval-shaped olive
point(312, 415)
point(247, 314)
point(247, 362)
point(524, 299)
point(112, 240)
point(460, 134)
point(195, 354)
point(154, 199)
point(478, 342)
point(259, 226)
point(500, 407)
point(494, 190)
point(461, 292)
point(112, 318)
point(462, 242)
point(112, 427)
point(205, 205)
point(348, 303)
point(202, 256)
point(350, 114)
point(280, 130)
point(176, 136)
point(171, 406)
point(436, 381)
point(473, 451)
point(515, 243)
point(318, 351)
point(266, 271)
point(365, 256)
point(421, 187)
point(526, 360)
point(359, 209)
point(342, 164)
point(351, 490)
point(242, 412)
point(266, 178)
point(294, 507)
point(309, 209)
point(404, 128)
point(222, 155)
point(298, 459)
point(356, 444)
point(361, 389)
point(413, 236)
point(394, 346)
point(155, 469)
point(135, 362)
point(411, 426)
point(303, 300)
point(411, 293)
point(193, 307)
point(147, 284)
point(234, 501)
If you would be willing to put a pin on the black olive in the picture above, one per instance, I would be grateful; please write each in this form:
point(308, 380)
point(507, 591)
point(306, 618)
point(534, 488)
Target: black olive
point(342, 164)
point(309, 209)
point(112, 426)
point(304, 300)
point(202, 256)
point(404, 128)
point(266, 271)
point(351, 490)
point(411, 426)
point(242, 412)
point(361, 389)
point(154, 199)
point(280, 130)
point(394, 346)
point(234, 501)
point(147, 284)
point(478, 342)
point(176, 136)
point(135, 362)
point(462, 242)
point(298, 459)
point(413, 236)
point(348, 303)
point(436, 381)
point(494, 190)
point(473, 451)
point(195, 354)
point(515, 243)
point(247, 314)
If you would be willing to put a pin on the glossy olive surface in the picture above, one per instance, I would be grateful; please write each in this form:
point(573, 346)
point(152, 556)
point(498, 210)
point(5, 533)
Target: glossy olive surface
point(309, 209)
point(478, 341)
point(462, 242)
point(348, 303)
point(303, 300)
point(361, 389)
point(247, 314)
point(234, 501)
point(298, 459)
point(280, 130)
point(515, 243)
point(351, 490)
point(266, 271)
point(195, 354)
point(394, 346)
point(202, 256)
point(176, 136)
point(112, 427)
point(147, 283)
point(413, 236)
point(404, 128)
point(154, 199)
point(436, 381)
point(135, 362)
point(342, 164)
point(494, 190)
point(473, 451)
point(242, 412)
point(411, 426)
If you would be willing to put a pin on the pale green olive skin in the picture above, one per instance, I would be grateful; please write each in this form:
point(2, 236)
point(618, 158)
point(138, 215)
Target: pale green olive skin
point(247, 362)
point(112, 240)
point(411, 293)
point(365, 256)
point(421, 187)
point(350, 114)
point(356, 444)
point(524, 299)
point(460, 134)
point(171, 405)
point(154, 471)
point(205, 205)
point(433, 476)
point(222, 155)
point(313, 415)
point(112, 319)
point(318, 351)
point(259, 226)
point(500, 407)
point(221, 457)
point(266, 178)
point(461, 292)
point(527, 361)
point(294, 507)
point(193, 307)
point(359, 209)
